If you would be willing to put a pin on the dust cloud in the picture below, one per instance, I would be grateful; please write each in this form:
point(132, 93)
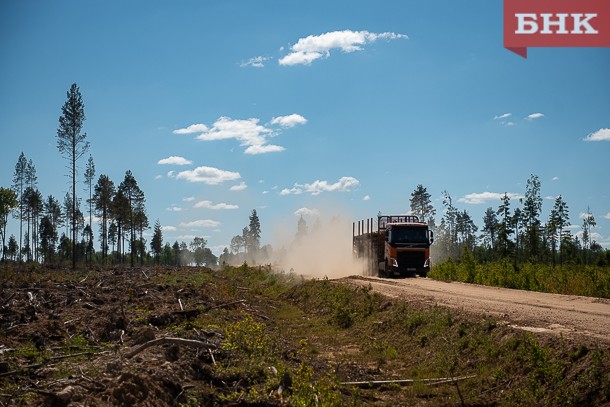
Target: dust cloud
point(324, 249)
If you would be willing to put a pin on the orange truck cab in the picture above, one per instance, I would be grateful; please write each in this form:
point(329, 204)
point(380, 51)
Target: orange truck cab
point(399, 246)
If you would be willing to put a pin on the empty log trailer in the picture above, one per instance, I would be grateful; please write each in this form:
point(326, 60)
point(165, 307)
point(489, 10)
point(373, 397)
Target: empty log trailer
point(394, 245)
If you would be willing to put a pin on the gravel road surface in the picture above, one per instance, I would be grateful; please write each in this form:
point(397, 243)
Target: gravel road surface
point(569, 315)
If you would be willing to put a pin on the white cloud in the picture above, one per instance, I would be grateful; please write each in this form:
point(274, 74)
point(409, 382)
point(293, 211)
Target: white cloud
point(366, 198)
point(503, 123)
point(169, 228)
point(289, 121)
point(263, 149)
point(188, 199)
point(239, 187)
point(249, 132)
point(599, 135)
point(158, 176)
point(313, 47)
point(307, 212)
point(607, 216)
point(503, 116)
point(174, 208)
point(203, 223)
point(345, 184)
point(193, 128)
point(534, 116)
point(255, 62)
point(213, 206)
point(477, 198)
point(555, 179)
point(174, 160)
point(170, 174)
point(208, 175)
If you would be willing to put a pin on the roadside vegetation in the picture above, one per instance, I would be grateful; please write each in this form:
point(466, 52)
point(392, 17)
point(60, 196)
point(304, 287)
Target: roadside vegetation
point(570, 279)
point(517, 247)
point(251, 336)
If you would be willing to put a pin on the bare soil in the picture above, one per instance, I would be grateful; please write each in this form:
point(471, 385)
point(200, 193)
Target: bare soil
point(75, 338)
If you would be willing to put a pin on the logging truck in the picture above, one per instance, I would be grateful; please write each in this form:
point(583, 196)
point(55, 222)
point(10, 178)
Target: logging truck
point(394, 245)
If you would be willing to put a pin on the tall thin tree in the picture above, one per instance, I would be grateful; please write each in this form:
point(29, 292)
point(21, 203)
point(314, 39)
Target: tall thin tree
point(19, 185)
point(72, 144)
point(89, 174)
point(8, 203)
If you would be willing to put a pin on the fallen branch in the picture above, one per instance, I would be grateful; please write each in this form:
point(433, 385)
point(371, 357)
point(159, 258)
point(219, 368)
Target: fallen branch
point(405, 382)
point(10, 297)
point(73, 355)
point(228, 304)
point(166, 340)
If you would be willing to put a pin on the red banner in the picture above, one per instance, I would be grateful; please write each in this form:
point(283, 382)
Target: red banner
point(555, 23)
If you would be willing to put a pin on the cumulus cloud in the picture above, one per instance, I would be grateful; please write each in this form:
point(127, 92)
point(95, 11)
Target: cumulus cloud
point(313, 47)
point(174, 208)
point(193, 128)
point(289, 121)
point(599, 135)
point(255, 62)
point(555, 179)
point(188, 199)
point(203, 223)
point(607, 216)
point(366, 198)
point(208, 175)
point(213, 206)
point(249, 133)
point(174, 160)
point(503, 116)
point(482, 197)
point(239, 187)
point(264, 149)
point(307, 212)
point(169, 228)
point(345, 184)
point(534, 116)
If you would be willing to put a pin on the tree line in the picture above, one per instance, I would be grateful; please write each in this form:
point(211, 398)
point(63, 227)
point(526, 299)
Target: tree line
point(120, 210)
point(514, 230)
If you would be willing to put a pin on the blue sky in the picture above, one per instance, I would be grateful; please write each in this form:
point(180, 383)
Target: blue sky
point(221, 107)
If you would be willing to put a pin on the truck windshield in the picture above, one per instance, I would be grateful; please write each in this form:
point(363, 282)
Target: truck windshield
point(407, 234)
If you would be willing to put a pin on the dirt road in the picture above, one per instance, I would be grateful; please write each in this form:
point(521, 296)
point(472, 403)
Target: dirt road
point(569, 315)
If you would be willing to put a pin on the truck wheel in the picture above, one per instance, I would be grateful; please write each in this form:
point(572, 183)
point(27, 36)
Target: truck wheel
point(423, 273)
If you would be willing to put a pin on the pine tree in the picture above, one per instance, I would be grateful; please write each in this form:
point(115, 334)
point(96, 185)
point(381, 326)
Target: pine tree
point(102, 198)
point(558, 221)
point(253, 236)
point(421, 205)
point(135, 204)
point(19, 185)
point(490, 226)
point(505, 225)
point(89, 174)
point(72, 145)
point(8, 203)
point(156, 244)
point(532, 207)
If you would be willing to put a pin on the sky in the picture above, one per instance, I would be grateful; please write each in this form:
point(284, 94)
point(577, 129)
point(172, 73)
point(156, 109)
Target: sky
point(315, 109)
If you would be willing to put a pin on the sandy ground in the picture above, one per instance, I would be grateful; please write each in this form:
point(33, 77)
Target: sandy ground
point(568, 315)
